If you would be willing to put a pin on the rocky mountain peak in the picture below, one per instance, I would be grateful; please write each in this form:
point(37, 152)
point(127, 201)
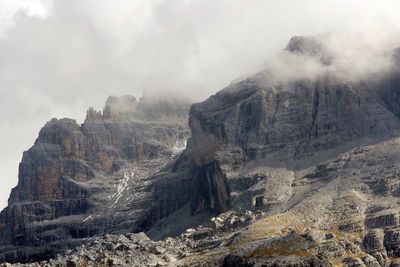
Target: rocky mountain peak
point(312, 46)
point(300, 172)
point(119, 107)
point(127, 108)
point(93, 115)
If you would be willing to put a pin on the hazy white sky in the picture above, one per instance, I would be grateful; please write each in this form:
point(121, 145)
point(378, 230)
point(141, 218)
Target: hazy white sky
point(58, 57)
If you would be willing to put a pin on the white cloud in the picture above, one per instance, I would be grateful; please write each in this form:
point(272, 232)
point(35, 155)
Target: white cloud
point(58, 57)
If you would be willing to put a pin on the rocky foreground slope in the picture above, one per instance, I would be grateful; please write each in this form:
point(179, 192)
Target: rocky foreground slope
point(277, 172)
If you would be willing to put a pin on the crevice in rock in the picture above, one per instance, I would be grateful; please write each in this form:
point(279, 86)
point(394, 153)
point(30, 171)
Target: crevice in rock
point(210, 189)
point(314, 125)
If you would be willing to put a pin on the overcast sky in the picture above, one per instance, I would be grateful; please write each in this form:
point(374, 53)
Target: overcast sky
point(58, 57)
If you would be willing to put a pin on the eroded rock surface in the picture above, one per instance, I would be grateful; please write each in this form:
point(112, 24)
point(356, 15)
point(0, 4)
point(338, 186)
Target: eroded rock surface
point(301, 172)
point(91, 179)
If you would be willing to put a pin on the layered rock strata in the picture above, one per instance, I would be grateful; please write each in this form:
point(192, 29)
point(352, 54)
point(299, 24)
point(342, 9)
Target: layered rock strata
point(298, 172)
point(90, 179)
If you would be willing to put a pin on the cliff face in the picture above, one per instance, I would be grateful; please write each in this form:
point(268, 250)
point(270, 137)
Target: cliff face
point(81, 180)
point(295, 124)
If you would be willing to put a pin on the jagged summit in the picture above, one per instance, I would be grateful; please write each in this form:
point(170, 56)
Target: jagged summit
point(312, 46)
point(119, 107)
point(146, 109)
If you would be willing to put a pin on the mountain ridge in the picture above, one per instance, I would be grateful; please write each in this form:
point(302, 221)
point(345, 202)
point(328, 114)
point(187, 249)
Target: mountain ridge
point(64, 175)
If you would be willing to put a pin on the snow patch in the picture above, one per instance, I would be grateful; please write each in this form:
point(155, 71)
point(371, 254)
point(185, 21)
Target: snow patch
point(89, 217)
point(178, 148)
point(123, 184)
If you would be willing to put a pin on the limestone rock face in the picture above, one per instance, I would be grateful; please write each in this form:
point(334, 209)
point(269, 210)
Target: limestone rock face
point(253, 120)
point(94, 178)
point(295, 172)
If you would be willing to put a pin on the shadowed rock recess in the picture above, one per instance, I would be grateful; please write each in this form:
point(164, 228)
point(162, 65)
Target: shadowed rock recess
point(268, 172)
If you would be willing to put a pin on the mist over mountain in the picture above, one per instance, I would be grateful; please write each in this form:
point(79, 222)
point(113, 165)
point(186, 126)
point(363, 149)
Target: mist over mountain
point(187, 133)
point(293, 165)
point(60, 57)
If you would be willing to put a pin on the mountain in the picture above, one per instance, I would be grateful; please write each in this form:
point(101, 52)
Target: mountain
point(90, 179)
point(274, 170)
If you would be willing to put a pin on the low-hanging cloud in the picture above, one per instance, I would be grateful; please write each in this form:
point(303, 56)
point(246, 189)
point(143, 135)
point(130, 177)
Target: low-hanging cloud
point(349, 56)
point(58, 57)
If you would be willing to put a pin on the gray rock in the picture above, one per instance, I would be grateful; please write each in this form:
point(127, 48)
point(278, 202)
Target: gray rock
point(380, 221)
point(83, 180)
point(373, 240)
point(295, 173)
